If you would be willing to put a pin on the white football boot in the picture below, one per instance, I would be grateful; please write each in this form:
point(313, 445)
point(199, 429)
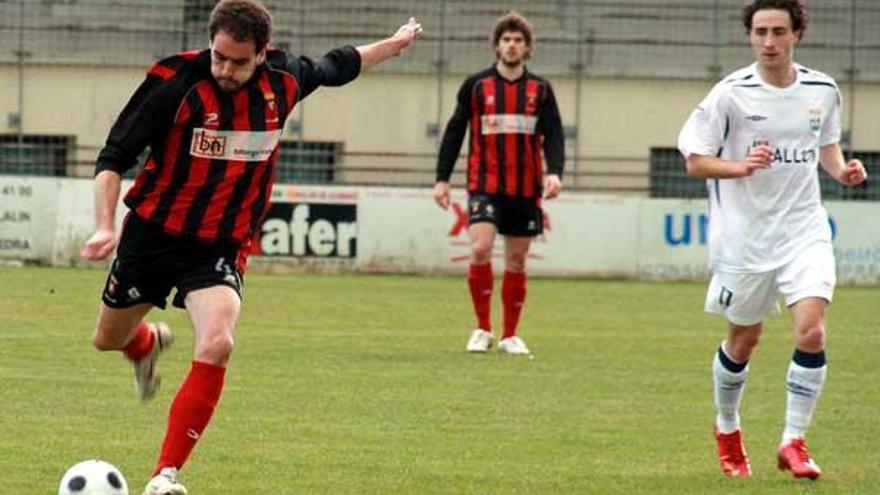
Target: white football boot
point(513, 345)
point(165, 483)
point(480, 341)
point(146, 375)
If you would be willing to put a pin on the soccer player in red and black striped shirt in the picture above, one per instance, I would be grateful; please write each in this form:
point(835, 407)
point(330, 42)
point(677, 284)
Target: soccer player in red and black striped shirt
point(212, 120)
point(513, 117)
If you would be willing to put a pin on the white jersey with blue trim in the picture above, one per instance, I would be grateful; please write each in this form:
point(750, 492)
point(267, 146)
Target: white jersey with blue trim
point(762, 222)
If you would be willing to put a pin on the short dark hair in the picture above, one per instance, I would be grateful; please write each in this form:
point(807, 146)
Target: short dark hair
point(796, 9)
point(512, 21)
point(244, 20)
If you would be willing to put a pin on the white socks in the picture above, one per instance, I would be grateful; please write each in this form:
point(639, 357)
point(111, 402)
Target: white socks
point(806, 375)
point(730, 381)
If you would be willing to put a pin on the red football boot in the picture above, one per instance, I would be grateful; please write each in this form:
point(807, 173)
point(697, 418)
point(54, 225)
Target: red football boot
point(794, 456)
point(732, 454)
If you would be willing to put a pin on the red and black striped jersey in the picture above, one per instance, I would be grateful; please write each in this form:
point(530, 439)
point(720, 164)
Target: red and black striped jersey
point(511, 122)
point(212, 156)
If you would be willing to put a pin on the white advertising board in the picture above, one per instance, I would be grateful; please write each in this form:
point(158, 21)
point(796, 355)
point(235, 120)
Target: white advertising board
point(402, 230)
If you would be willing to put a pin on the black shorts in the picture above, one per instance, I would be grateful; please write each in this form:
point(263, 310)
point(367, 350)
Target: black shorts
point(518, 217)
point(149, 263)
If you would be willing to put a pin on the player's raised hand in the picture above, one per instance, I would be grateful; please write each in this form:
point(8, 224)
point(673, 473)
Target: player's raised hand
point(853, 173)
point(408, 33)
point(99, 246)
point(760, 156)
point(552, 186)
point(441, 194)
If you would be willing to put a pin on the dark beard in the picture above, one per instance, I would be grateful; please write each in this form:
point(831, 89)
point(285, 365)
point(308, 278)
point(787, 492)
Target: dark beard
point(511, 65)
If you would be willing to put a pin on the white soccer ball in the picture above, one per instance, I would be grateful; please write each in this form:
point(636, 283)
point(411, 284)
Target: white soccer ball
point(93, 477)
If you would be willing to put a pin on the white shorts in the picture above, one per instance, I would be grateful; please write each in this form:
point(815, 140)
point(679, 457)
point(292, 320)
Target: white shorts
point(745, 298)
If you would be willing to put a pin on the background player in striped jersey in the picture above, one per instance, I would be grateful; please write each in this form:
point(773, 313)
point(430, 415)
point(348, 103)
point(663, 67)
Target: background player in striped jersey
point(212, 120)
point(758, 137)
point(513, 116)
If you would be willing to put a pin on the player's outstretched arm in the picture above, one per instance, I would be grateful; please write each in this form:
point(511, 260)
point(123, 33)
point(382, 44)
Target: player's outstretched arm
point(103, 241)
point(711, 167)
point(851, 173)
point(380, 51)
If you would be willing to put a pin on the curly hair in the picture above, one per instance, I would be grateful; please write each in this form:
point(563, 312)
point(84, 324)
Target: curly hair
point(244, 20)
point(796, 9)
point(512, 21)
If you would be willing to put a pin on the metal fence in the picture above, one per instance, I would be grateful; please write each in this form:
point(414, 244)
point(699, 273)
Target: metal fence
point(627, 38)
point(696, 39)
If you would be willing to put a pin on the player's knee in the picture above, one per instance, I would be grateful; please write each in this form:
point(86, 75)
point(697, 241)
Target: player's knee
point(516, 263)
point(216, 349)
point(741, 347)
point(482, 251)
point(812, 338)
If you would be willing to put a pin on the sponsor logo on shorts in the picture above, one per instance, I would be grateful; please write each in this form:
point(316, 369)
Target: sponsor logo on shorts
point(134, 293)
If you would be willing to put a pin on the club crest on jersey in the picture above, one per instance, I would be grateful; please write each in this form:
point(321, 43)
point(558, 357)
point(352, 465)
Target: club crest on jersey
point(815, 120)
point(531, 101)
point(271, 109)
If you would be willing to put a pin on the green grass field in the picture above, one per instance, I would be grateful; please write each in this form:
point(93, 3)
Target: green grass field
point(360, 385)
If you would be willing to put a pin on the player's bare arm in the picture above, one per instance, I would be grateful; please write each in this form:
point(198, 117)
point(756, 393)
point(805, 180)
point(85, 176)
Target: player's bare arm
point(441, 194)
point(103, 241)
point(712, 167)
point(380, 51)
point(848, 173)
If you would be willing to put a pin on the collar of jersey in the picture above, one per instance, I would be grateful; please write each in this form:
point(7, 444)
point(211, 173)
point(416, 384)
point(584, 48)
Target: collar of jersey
point(776, 89)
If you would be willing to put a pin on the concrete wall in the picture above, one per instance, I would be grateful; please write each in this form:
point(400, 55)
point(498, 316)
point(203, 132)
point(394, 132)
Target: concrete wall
point(619, 118)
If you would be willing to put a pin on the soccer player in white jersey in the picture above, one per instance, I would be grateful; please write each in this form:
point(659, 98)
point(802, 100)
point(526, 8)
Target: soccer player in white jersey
point(758, 138)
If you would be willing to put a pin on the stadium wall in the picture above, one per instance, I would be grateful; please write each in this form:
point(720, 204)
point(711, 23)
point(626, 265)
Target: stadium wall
point(370, 229)
point(398, 114)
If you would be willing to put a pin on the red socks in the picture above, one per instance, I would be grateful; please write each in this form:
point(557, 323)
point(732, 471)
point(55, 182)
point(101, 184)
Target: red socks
point(141, 344)
point(480, 281)
point(513, 295)
point(190, 413)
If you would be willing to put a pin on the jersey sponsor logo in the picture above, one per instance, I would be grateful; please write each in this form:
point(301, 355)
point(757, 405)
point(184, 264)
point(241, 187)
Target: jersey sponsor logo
point(756, 118)
point(508, 123)
point(790, 156)
point(246, 146)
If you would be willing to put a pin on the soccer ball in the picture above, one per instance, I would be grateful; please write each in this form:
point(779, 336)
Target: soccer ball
point(93, 477)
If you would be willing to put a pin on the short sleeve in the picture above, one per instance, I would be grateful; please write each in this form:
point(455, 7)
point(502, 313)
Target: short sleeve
point(705, 129)
point(831, 126)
